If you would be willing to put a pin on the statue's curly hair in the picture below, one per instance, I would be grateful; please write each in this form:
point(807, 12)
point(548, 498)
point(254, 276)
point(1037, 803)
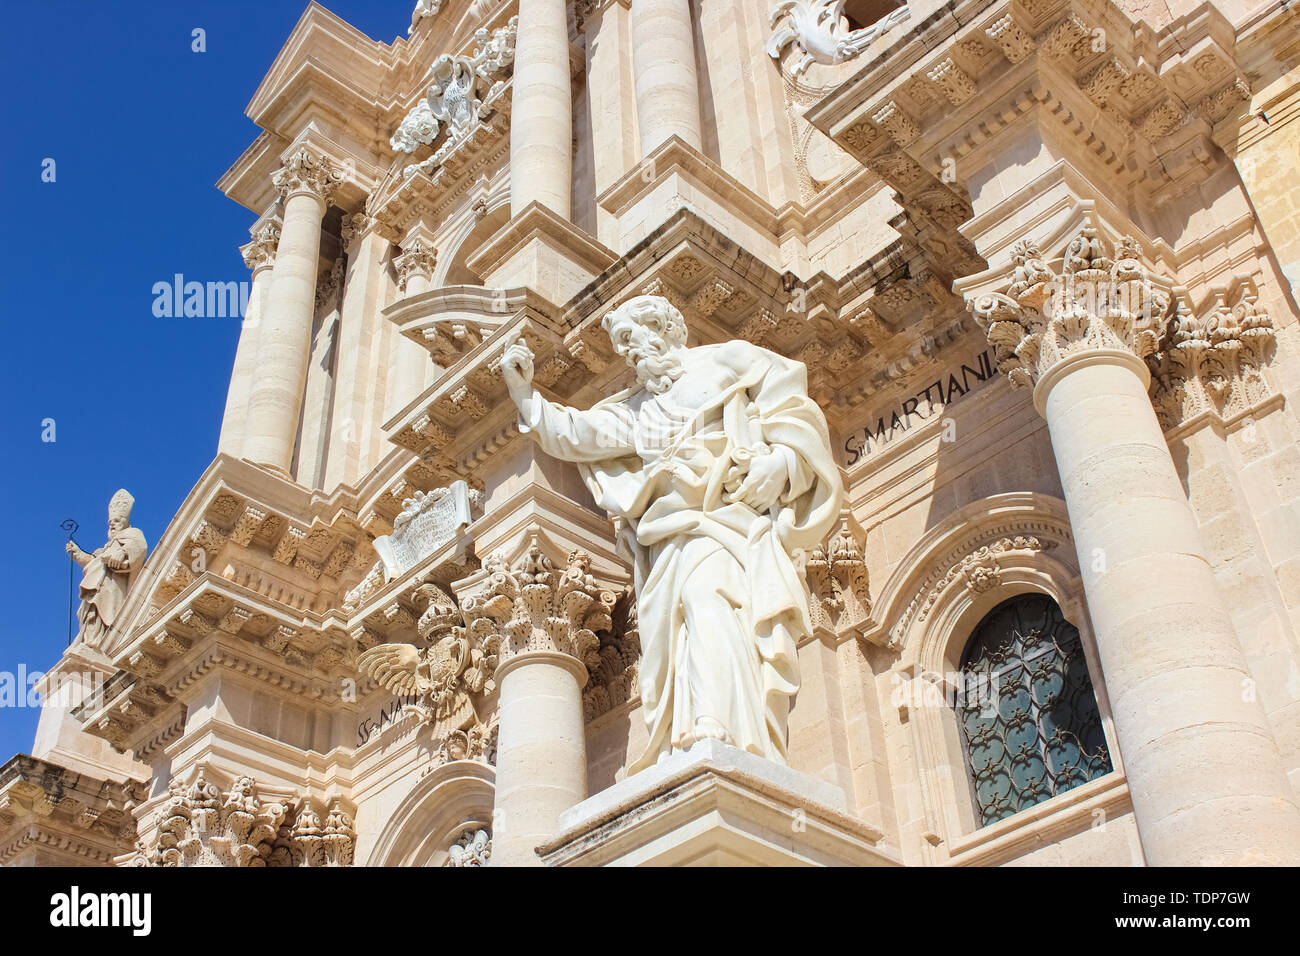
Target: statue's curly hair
point(666, 318)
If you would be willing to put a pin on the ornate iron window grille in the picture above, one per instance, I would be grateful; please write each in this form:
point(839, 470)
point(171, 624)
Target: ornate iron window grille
point(1028, 714)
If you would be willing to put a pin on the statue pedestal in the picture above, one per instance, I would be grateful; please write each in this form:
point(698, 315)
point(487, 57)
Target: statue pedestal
point(714, 805)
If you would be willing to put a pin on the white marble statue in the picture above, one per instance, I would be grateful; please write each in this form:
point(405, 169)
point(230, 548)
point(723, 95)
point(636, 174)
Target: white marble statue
point(423, 8)
point(109, 572)
point(716, 468)
point(819, 31)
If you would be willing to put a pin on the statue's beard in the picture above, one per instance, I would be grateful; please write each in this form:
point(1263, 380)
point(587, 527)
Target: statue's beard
point(656, 371)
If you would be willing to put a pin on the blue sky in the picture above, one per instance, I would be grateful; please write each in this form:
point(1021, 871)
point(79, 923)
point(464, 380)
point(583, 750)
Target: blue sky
point(140, 127)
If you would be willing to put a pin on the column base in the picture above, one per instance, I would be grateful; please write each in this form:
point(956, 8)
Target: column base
point(715, 805)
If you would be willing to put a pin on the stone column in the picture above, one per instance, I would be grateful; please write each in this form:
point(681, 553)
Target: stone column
point(306, 185)
point(416, 263)
point(363, 364)
point(541, 621)
point(541, 115)
point(259, 256)
point(414, 276)
point(667, 86)
point(1204, 771)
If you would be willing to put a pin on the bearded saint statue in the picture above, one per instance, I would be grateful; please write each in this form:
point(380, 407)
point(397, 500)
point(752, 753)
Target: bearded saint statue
point(716, 468)
point(109, 572)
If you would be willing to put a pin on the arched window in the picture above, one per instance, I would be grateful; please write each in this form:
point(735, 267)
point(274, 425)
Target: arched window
point(1029, 720)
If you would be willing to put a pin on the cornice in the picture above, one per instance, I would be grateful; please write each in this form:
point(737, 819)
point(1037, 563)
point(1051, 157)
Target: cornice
point(1145, 107)
point(333, 48)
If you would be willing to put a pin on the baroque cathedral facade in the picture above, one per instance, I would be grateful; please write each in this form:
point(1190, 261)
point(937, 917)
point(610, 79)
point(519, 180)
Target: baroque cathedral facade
point(1041, 261)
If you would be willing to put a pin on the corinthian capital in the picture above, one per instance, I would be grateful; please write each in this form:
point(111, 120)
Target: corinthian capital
point(260, 253)
point(1088, 299)
point(418, 258)
point(536, 606)
point(304, 173)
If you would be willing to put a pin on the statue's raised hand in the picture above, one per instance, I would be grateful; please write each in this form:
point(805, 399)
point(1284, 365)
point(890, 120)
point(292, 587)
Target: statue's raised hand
point(517, 367)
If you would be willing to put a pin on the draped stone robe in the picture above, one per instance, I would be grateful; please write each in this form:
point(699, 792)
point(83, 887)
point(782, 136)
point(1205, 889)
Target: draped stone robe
point(105, 582)
point(721, 604)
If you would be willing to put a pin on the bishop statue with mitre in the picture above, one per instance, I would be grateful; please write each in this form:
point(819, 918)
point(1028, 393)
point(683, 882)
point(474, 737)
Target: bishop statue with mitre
point(717, 469)
point(109, 571)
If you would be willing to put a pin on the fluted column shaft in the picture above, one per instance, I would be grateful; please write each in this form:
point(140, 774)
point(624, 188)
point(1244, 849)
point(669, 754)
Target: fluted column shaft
point(541, 117)
point(284, 343)
point(667, 83)
point(259, 256)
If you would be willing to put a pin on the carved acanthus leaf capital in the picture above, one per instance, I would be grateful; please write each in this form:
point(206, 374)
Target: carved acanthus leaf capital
point(537, 606)
point(354, 225)
point(418, 258)
point(1090, 300)
point(304, 173)
point(204, 824)
point(1213, 357)
point(260, 253)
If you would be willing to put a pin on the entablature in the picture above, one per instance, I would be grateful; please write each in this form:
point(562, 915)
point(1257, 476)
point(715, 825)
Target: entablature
point(1143, 105)
point(74, 816)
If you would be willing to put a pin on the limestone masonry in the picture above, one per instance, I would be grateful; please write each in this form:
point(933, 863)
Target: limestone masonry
point(839, 432)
